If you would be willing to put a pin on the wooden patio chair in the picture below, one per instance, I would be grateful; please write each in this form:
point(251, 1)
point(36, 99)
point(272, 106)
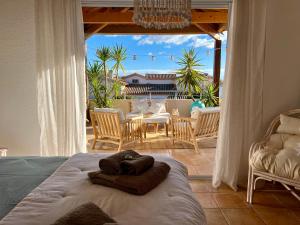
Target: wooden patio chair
point(109, 128)
point(191, 130)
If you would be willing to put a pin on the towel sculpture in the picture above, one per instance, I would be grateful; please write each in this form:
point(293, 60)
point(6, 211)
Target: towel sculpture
point(86, 214)
point(130, 172)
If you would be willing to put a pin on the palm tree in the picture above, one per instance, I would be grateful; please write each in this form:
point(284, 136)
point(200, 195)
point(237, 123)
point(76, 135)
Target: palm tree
point(94, 74)
point(209, 97)
point(118, 55)
point(104, 55)
point(190, 78)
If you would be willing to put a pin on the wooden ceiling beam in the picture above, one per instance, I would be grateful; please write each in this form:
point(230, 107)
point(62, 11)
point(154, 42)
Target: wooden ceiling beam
point(135, 29)
point(93, 29)
point(126, 17)
point(209, 29)
point(124, 10)
point(222, 27)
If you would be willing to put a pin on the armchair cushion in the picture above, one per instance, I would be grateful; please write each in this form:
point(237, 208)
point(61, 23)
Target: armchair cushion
point(283, 163)
point(196, 111)
point(280, 156)
point(113, 110)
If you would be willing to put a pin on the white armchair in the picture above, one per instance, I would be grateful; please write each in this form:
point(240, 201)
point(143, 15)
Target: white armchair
point(277, 156)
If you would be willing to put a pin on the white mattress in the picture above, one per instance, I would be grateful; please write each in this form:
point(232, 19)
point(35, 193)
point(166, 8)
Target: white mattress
point(171, 203)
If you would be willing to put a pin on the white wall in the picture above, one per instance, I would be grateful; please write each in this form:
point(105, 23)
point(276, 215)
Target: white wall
point(282, 67)
point(19, 128)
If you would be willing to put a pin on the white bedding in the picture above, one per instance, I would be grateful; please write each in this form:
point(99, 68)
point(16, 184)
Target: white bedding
point(171, 203)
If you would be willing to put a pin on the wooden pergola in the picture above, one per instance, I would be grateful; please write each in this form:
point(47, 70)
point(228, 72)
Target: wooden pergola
point(118, 20)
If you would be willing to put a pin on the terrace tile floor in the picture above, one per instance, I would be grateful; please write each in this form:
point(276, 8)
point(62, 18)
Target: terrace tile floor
point(198, 164)
point(271, 206)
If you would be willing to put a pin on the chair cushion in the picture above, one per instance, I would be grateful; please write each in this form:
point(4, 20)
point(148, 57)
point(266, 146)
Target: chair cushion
point(289, 125)
point(157, 106)
point(196, 111)
point(157, 118)
point(132, 115)
point(121, 114)
point(280, 156)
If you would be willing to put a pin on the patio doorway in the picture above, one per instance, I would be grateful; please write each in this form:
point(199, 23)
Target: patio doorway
point(112, 23)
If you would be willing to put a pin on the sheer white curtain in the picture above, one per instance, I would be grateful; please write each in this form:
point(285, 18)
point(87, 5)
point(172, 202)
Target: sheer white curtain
point(242, 108)
point(61, 77)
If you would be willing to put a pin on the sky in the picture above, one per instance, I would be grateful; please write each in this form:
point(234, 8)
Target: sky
point(158, 53)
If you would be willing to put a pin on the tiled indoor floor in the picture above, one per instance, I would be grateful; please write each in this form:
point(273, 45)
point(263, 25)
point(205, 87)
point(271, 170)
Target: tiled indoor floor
point(199, 164)
point(271, 205)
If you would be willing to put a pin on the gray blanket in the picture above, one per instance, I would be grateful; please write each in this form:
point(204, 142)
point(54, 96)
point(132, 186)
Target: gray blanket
point(20, 175)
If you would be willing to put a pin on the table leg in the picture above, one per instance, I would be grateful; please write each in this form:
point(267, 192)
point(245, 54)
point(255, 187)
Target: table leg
point(145, 129)
point(167, 129)
point(156, 127)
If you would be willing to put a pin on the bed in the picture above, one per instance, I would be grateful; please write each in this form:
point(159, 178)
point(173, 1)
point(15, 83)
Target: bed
point(20, 175)
point(171, 203)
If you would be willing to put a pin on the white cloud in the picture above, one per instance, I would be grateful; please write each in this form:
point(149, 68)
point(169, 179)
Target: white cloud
point(150, 53)
point(161, 53)
point(165, 39)
point(137, 37)
point(112, 35)
point(192, 40)
point(202, 42)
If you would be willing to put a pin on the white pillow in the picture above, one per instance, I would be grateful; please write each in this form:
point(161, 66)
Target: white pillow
point(289, 125)
point(157, 107)
point(160, 105)
point(276, 141)
point(121, 114)
point(139, 106)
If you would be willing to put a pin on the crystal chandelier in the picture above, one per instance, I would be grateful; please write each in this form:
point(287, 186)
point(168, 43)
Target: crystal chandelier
point(162, 14)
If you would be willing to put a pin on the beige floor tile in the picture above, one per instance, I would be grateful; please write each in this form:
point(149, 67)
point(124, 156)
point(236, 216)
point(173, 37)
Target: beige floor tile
point(201, 185)
point(266, 198)
point(206, 200)
point(215, 217)
point(287, 199)
point(241, 217)
point(229, 200)
point(276, 216)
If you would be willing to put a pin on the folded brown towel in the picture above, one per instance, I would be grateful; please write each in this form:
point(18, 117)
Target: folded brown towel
point(138, 185)
point(86, 214)
point(134, 163)
point(137, 166)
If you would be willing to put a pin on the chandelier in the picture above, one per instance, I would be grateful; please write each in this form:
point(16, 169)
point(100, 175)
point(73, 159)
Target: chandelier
point(162, 14)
